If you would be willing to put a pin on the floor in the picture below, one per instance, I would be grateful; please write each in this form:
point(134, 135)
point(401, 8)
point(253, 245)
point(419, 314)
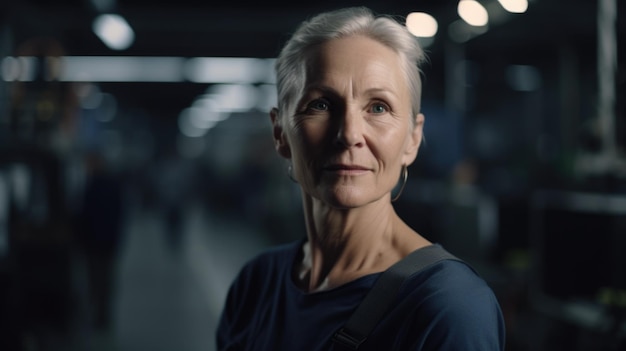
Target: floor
point(169, 300)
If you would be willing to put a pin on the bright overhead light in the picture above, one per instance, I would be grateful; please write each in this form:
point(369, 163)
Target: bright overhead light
point(21, 68)
point(229, 70)
point(207, 111)
point(240, 70)
point(514, 6)
point(233, 97)
point(122, 69)
point(186, 123)
point(472, 12)
point(421, 24)
point(114, 31)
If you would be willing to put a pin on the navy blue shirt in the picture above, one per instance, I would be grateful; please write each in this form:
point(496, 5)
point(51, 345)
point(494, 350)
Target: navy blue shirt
point(444, 307)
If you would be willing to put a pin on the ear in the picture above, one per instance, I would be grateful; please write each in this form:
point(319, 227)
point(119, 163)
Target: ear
point(415, 140)
point(280, 141)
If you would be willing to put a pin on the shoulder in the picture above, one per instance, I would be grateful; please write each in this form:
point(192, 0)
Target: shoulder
point(439, 275)
point(253, 289)
point(449, 284)
point(273, 261)
point(456, 307)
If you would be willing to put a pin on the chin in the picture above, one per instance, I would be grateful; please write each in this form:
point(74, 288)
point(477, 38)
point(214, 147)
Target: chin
point(346, 198)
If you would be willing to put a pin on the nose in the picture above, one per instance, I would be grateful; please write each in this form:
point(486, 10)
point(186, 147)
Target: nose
point(350, 128)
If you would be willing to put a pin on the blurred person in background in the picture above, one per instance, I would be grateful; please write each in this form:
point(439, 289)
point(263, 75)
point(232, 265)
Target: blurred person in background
point(348, 121)
point(174, 185)
point(101, 234)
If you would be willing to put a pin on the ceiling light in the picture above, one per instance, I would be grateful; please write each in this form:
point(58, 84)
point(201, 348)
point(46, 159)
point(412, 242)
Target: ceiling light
point(114, 31)
point(186, 124)
point(122, 69)
point(473, 13)
point(21, 68)
point(514, 6)
point(233, 97)
point(421, 24)
point(229, 70)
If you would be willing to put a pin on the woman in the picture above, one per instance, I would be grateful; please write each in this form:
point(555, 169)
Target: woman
point(348, 121)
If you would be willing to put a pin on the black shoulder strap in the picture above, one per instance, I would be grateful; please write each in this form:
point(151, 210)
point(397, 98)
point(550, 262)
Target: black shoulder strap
point(377, 301)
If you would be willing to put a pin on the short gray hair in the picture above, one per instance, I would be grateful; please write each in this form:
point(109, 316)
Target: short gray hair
point(293, 58)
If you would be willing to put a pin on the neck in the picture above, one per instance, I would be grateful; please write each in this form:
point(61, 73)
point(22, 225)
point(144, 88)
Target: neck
point(345, 244)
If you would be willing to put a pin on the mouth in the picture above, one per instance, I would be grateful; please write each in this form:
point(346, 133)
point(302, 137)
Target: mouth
point(346, 169)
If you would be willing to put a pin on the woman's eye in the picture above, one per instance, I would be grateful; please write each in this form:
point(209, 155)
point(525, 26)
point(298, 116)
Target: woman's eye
point(319, 105)
point(379, 108)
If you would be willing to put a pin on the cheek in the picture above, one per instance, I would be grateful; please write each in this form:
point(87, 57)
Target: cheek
point(311, 136)
point(305, 147)
point(390, 144)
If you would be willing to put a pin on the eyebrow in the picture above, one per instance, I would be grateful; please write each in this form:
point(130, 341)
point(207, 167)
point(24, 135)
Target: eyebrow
point(381, 90)
point(320, 88)
point(326, 89)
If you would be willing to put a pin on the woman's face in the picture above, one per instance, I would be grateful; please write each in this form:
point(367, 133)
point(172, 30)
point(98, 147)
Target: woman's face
point(351, 131)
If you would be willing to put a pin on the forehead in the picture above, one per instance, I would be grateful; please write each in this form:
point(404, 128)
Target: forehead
point(357, 59)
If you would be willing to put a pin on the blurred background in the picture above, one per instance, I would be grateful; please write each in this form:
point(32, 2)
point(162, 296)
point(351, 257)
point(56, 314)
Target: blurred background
point(137, 170)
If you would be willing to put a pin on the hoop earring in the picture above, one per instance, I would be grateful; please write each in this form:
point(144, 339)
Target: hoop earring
point(404, 176)
point(290, 173)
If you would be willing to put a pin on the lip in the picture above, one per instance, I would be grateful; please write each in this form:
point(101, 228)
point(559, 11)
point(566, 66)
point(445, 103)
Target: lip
point(346, 169)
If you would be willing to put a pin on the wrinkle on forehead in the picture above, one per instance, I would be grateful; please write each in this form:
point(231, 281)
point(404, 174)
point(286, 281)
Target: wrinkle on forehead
point(327, 67)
